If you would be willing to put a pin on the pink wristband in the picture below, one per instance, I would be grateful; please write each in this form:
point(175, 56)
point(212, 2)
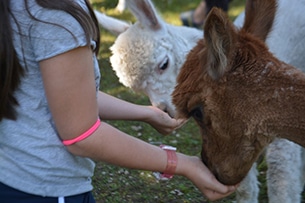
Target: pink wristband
point(84, 135)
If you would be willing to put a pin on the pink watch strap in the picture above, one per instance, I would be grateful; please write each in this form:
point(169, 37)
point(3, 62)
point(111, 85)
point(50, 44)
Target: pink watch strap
point(171, 161)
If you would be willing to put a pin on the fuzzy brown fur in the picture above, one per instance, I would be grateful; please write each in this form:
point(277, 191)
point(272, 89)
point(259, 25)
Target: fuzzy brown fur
point(241, 96)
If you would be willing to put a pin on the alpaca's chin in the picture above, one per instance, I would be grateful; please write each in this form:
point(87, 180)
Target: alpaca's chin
point(228, 171)
point(230, 180)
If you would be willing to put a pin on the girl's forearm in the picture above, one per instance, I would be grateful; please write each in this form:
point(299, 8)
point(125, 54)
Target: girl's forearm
point(111, 108)
point(110, 145)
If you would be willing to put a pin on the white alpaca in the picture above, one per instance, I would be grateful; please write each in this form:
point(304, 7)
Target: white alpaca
point(149, 54)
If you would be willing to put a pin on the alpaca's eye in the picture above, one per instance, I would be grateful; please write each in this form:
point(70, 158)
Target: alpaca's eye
point(197, 113)
point(163, 66)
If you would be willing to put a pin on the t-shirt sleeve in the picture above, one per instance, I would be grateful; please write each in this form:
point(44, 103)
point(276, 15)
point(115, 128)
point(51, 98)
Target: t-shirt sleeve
point(54, 33)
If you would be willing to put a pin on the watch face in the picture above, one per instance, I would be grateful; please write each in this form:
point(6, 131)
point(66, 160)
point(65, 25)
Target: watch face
point(167, 147)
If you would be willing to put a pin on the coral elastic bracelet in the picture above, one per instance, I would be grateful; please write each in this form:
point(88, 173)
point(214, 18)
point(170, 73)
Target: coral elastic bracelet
point(84, 135)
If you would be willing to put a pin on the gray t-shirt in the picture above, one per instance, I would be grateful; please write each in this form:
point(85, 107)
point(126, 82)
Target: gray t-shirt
point(32, 156)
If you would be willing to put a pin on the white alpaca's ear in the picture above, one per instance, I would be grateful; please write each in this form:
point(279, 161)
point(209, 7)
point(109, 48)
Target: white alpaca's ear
point(145, 13)
point(111, 24)
point(219, 35)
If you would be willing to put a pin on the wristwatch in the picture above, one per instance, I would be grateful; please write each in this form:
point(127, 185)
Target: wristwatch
point(171, 163)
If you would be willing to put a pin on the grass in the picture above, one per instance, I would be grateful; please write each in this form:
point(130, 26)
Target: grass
point(114, 184)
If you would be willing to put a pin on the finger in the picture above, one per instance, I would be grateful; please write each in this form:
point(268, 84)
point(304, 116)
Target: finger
point(213, 195)
point(175, 124)
point(180, 123)
point(217, 187)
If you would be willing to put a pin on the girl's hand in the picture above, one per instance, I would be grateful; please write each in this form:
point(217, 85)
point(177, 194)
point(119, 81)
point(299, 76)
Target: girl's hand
point(162, 122)
point(204, 180)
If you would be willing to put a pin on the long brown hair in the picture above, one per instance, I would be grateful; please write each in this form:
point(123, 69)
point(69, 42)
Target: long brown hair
point(10, 68)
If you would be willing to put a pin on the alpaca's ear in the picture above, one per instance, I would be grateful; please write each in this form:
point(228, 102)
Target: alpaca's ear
point(219, 35)
point(145, 13)
point(259, 17)
point(111, 24)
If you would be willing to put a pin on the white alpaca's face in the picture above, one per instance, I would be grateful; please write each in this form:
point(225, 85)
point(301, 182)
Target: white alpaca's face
point(149, 62)
point(159, 91)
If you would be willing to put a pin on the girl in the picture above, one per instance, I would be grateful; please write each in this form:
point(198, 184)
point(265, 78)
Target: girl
point(51, 106)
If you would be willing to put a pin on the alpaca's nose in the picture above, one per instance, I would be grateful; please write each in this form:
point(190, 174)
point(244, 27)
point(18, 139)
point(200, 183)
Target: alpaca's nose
point(160, 105)
point(164, 107)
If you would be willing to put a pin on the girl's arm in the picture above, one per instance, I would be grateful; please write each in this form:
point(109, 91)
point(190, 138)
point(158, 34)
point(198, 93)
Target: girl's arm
point(70, 90)
point(111, 108)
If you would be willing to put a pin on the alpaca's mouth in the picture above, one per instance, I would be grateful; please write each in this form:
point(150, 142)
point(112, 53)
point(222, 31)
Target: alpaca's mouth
point(169, 113)
point(167, 109)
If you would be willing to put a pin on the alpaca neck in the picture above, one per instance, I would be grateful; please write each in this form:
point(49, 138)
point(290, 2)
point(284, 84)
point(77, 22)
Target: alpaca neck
point(274, 101)
point(287, 116)
point(293, 129)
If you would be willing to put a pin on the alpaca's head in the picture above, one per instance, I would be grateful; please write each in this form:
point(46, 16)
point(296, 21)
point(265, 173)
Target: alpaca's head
point(147, 56)
point(218, 84)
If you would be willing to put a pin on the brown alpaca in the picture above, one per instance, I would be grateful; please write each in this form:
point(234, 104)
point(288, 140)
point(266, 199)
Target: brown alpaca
point(241, 96)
